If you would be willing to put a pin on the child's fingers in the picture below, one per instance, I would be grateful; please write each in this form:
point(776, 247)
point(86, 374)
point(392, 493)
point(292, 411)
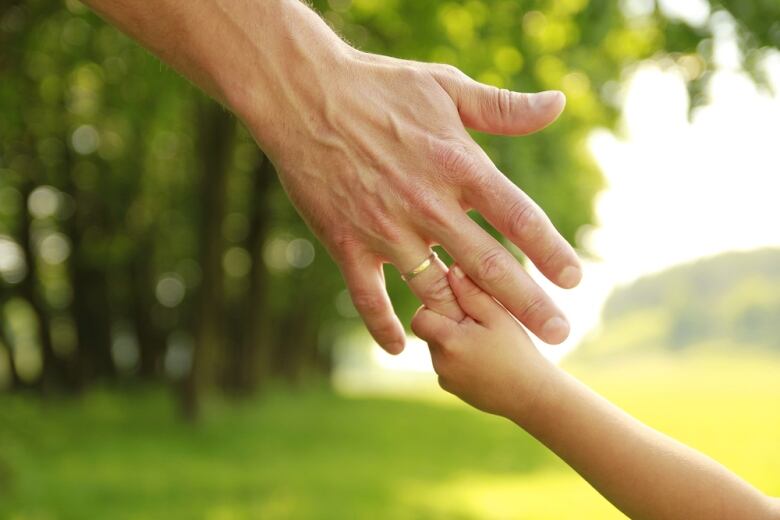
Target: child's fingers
point(474, 301)
point(433, 327)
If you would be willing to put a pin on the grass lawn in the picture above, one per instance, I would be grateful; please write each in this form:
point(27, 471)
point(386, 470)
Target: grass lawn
point(313, 454)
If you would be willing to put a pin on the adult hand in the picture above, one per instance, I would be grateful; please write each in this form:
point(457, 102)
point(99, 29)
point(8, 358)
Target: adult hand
point(374, 154)
point(372, 150)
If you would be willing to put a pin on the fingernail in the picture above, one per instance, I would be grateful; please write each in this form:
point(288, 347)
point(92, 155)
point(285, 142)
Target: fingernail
point(457, 271)
point(570, 277)
point(555, 330)
point(546, 99)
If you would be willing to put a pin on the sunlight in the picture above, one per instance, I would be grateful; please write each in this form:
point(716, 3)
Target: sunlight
point(678, 189)
point(490, 496)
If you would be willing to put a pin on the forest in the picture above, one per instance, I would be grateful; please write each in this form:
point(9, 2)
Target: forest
point(144, 237)
point(171, 331)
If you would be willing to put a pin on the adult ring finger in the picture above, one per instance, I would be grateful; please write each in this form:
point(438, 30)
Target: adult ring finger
point(420, 268)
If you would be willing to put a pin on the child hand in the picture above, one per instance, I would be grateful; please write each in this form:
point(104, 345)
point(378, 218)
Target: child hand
point(486, 359)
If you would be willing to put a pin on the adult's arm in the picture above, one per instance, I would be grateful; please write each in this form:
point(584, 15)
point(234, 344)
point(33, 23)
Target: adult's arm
point(372, 150)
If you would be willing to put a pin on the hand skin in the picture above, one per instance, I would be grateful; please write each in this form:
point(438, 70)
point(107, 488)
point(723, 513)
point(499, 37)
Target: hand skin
point(488, 360)
point(372, 151)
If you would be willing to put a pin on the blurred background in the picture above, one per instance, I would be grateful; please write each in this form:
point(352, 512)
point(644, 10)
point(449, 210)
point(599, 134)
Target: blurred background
point(174, 343)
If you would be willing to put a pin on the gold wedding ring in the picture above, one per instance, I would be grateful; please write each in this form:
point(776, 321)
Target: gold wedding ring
point(425, 264)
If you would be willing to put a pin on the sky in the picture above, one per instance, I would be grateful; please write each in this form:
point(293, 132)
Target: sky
point(679, 188)
point(680, 185)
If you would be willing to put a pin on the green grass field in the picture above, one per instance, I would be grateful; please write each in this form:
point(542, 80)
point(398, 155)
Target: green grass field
point(316, 455)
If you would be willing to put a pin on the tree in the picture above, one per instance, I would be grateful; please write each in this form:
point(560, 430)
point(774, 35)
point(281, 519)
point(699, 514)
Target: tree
point(178, 254)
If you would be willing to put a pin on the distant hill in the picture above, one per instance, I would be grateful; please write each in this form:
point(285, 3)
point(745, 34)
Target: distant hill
point(731, 301)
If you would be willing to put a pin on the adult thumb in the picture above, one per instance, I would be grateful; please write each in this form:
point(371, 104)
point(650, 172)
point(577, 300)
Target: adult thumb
point(496, 110)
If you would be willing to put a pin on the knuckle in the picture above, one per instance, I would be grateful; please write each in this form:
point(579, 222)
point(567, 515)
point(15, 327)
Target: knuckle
point(428, 205)
point(449, 72)
point(524, 222)
point(454, 159)
point(502, 100)
point(493, 266)
point(472, 291)
point(499, 101)
point(532, 307)
point(438, 293)
point(436, 217)
point(420, 197)
point(369, 304)
point(344, 244)
point(413, 76)
point(385, 230)
point(479, 180)
point(521, 102)
point(506, 105)
point(554, 254)
point(440, 290)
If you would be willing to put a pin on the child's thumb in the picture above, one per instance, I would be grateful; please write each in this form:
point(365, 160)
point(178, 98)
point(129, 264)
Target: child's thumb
point(474, 301)
point(432, 327)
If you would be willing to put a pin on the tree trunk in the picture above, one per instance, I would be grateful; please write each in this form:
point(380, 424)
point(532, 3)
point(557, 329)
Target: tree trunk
point(250, 358)
point(216, 128)
point(53, 369)
point(297, 344)
point(88, 277)
point(151, 340)
point(92, 318)
point(9, 350)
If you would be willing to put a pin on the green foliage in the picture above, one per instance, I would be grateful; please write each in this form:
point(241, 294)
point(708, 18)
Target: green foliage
point(157, 236)
point(759, 21)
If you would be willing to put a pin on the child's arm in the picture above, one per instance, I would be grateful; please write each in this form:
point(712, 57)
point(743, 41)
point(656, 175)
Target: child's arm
point(488, 360)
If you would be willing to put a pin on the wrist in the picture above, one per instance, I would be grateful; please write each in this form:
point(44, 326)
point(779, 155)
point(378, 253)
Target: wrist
point(289, 60)
point(534, 392)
